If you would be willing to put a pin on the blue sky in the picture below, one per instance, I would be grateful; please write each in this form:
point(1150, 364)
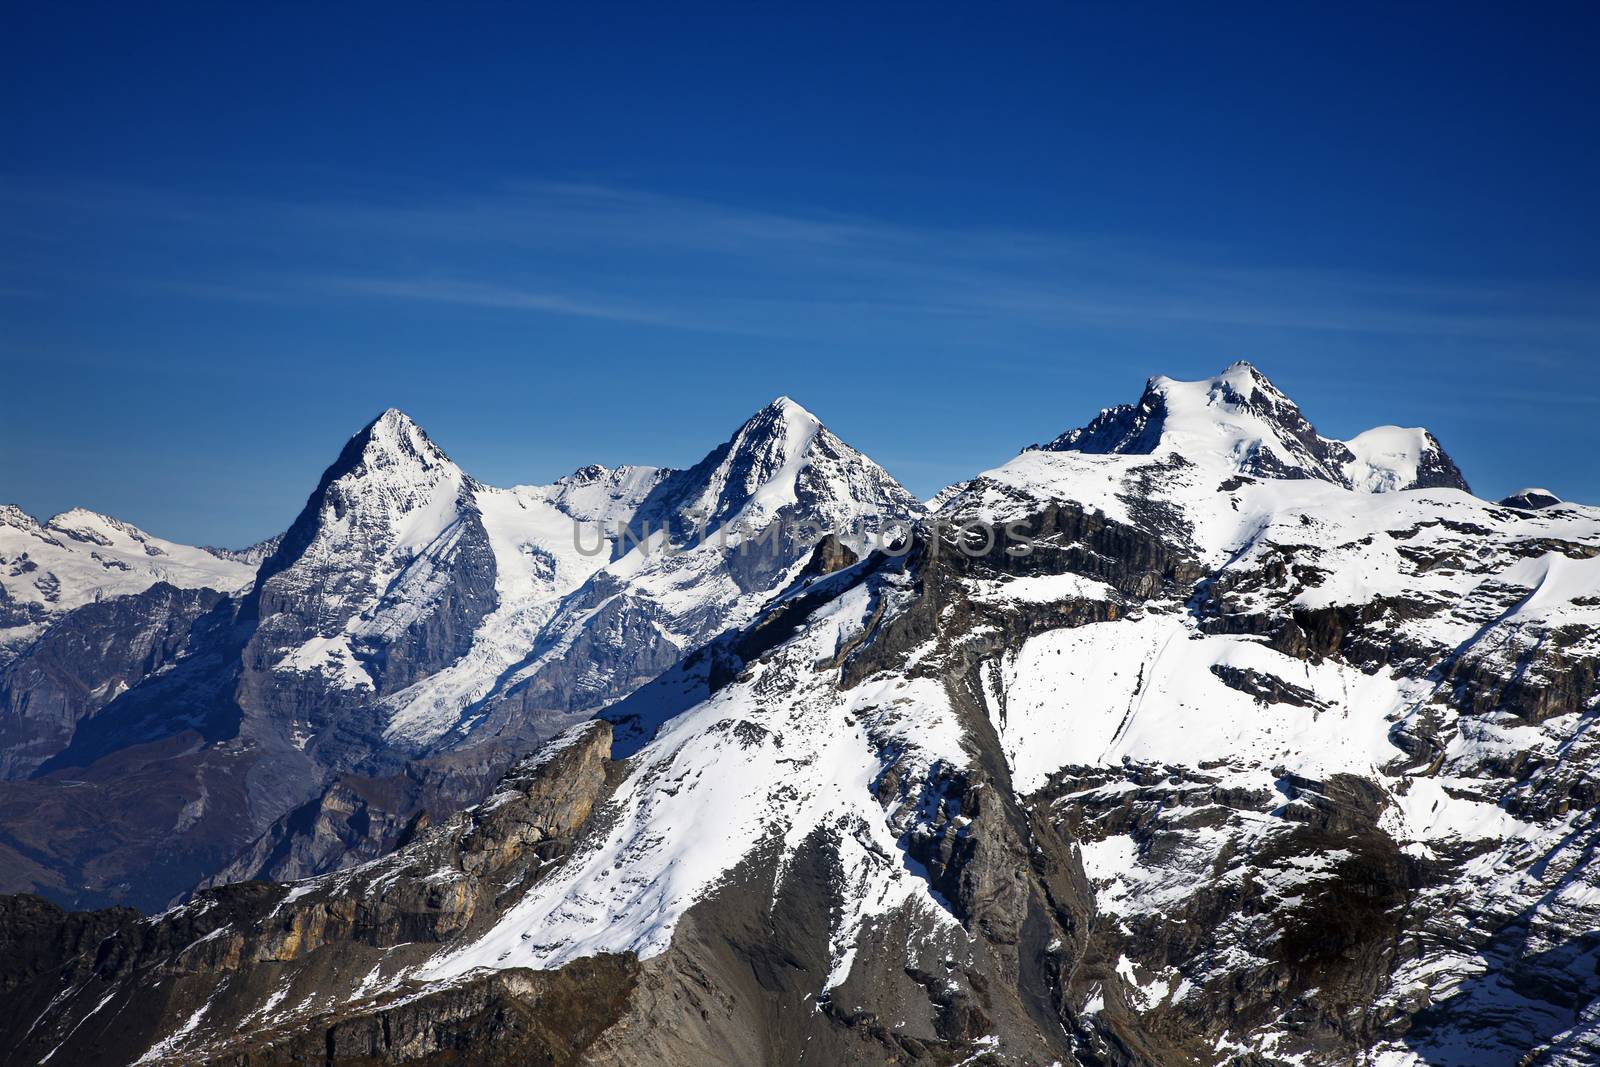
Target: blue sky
point(228, 240)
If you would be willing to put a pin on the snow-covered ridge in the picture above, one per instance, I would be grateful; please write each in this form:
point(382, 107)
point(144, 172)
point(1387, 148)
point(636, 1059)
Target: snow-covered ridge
point(489, 587)
point(780, 465)
point(1239, 421)
point(80, 556)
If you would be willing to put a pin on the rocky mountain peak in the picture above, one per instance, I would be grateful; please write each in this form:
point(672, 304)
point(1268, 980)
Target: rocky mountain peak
point(394, 441)
point(773, 438)
point(365, 559)
point(1531, 499)
point(15, 517)
point(1240, 421)
point(781, 457)
point(389, 482)
point(788, 409)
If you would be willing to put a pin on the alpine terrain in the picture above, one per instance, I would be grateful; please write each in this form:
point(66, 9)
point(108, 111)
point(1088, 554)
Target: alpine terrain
point(1191, 736)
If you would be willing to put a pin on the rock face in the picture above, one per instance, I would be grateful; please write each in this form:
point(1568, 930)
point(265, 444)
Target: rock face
point(362, 817)
point(222, 961)
point(382, 580)
point(1531, 499)
point(1218, 755)
point(87, 659)
point(690, 553)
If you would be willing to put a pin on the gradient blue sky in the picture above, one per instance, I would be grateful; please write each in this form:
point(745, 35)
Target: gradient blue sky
point(229, 240)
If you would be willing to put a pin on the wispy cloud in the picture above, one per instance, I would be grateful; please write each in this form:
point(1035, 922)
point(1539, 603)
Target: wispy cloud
point(490, 295)
point(627, 255)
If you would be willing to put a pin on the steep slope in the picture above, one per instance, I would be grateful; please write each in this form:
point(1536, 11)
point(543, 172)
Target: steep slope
point(86, 659)
point(1356, 756)
point(79, 557)
point(543, 555)
point(384, 574)
point(779, 870)
point(249, 707)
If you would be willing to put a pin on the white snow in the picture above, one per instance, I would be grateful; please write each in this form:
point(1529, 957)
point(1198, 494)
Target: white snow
point(538, 561)
point(1387, 457)
point(550, 591)
point(174, 1041)
point(759, 765)
point(79, 556)
point(1143, 689)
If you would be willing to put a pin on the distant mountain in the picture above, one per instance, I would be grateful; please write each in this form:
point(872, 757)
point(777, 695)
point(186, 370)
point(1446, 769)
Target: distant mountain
point(1233, 745)
point(1241, 419)
point(79, 557)
point(723, 536)
point(89, 607)
point(251, 555)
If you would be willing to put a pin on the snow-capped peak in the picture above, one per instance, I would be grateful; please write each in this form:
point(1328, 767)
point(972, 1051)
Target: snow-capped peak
point(392, 490)
point(80, 556)
point(781, 456)
point(789, 410)
point(1399, 457)
point(391, 501)
point(1240, 421)
point(1238, 418)
point(389, 465)
point(394, 438)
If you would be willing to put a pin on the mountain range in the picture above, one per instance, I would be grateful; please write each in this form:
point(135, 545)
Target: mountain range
point(1244, 745)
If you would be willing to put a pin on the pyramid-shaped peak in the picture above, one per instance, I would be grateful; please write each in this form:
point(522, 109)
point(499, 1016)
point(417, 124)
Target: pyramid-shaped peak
point(389, 493)
point(393, 425)
point(782, 413)
point(778, 435)
point(775, 437)
point(393, 420)
point(390, 439)
point(781, 457)
point(788, 405)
